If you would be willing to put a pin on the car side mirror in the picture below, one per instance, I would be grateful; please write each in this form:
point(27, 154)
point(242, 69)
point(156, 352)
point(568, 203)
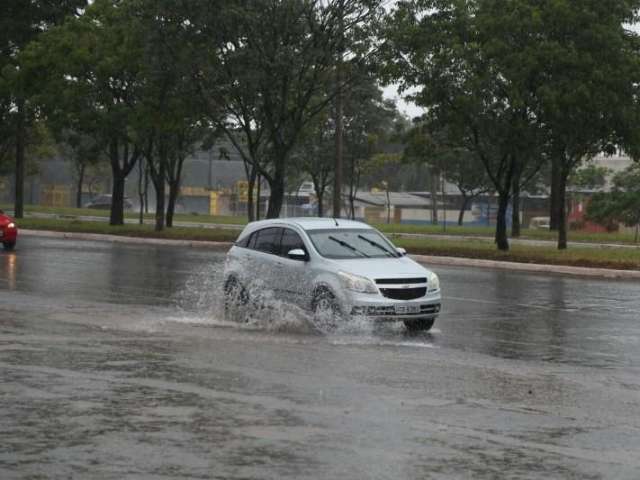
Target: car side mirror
point(297, 254)
point(401, 251)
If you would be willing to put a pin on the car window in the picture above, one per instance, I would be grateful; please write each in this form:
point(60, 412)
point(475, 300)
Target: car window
point(352, 243)
point(251, 244)
point(243, 242)
point(268, 240)
point(290, 241)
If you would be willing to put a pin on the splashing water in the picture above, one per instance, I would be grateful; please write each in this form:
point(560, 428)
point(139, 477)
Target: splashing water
point(202, 301)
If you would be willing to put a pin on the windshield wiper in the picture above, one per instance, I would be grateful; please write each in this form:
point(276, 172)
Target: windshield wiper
point(377, 245)
point(347, 245)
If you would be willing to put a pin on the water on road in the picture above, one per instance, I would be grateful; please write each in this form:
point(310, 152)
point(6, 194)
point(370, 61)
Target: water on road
point(116, 362)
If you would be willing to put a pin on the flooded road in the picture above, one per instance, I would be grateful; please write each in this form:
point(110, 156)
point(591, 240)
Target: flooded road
point(115, 362)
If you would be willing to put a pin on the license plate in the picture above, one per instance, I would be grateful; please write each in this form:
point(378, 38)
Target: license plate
point(407, 309)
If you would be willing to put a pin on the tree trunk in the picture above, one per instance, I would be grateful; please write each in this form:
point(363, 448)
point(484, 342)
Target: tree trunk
point(276, 197)
point(141, 192)
point(388, 208)
point(174, 190)
point(562, 210)
point(117, 197)
point(18, 210)
point(258, 193)
point(501, 222)
point(119, 174)
point(433, 177)
point(320, 203)
point(515, 210)
point(146, 189)
point(251, 183)
point(463, 209)
point(79, 186)
point(554, 200)
point(159, 185)
point(337, 174)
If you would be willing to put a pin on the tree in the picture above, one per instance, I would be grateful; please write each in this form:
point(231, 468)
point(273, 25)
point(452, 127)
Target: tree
point(465, 59)
point(86, 75)
point(590, 177)
point(170, 118)
point(314, 157)
point(445, 155)
point(83, 152)
point(589, 69)
point(280, 57)
point(20, 24)
point(622, 204)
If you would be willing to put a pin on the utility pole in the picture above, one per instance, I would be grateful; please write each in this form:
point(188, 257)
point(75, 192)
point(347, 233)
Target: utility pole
point(339, 111)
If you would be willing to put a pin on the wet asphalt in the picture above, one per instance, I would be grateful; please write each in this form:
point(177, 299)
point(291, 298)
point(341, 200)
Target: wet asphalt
point(115, 362)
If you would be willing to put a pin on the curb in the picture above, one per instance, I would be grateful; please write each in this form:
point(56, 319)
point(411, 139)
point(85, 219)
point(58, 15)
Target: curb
point(100, 237)
point(426, 259)
point(529, 267)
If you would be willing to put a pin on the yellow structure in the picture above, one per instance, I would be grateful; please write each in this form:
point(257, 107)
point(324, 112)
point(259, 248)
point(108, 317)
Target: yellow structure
point(213, 203)
point(56, 196)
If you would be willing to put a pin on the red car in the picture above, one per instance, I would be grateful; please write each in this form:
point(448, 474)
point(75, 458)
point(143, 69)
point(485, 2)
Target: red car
point(8, 231)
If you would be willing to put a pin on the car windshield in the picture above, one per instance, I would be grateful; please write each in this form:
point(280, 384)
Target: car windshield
point(351, 243)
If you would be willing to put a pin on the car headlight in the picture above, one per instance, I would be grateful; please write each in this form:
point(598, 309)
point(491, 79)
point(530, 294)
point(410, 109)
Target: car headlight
point(11, 225)
point(433, 282)
point(357, 283)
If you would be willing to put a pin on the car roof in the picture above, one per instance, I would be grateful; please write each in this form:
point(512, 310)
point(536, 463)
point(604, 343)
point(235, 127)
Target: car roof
point(307, 223)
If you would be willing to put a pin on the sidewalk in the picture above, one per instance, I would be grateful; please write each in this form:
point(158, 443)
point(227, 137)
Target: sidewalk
point(424, 259)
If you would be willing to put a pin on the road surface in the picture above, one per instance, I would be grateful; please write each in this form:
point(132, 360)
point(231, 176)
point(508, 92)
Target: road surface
point(116, 363)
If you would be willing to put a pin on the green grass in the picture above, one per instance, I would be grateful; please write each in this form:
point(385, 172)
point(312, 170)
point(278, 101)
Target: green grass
point(527, 233)
point(480, 248)
point(143, 231)
point(488, 232)
point(616, 258)
point(180, 217)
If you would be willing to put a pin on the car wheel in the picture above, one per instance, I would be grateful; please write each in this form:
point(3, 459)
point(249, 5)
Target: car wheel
point(326, 311)
point(8, 245)
point(235, 297)
point(419, 324)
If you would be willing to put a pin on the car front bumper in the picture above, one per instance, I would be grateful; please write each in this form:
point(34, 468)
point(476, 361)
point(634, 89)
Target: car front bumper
point(8, 234)
point(381, 308)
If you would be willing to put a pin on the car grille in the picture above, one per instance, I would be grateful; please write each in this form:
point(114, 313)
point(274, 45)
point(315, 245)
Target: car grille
point(400, 281)
point(404, 293)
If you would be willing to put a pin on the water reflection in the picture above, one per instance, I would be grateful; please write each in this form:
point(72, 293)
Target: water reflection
point(10, 268)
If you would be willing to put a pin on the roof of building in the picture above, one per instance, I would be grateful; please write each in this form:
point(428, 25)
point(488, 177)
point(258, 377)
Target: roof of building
point(397, 199)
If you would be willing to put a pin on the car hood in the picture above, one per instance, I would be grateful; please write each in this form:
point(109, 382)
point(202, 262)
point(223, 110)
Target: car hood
point(402, 267)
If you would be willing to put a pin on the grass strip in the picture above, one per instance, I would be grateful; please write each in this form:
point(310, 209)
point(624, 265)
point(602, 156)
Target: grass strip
point(615, 258)
point(593, 257)
point(129, 230)
point(625, 238)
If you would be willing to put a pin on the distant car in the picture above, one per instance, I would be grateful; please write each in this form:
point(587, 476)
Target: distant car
point(335, 269)
point(8, 231)
point(103, 202)
point(540, 223)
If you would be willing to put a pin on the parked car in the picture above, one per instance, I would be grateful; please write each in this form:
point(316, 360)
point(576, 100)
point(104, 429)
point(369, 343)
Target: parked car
point(334, 268)
point(103, 202)
point(8, 231)
point(539, 223)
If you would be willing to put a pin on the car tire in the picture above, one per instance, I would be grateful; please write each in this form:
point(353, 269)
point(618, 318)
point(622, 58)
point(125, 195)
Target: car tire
point(326, 311)
point(419, 324)
point(235, 297)
point(9, 245)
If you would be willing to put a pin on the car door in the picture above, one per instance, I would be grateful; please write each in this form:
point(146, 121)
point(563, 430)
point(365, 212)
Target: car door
point(265, 262)
point(292, 281)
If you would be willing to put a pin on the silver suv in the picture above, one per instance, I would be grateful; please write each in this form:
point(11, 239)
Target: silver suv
point(334, 268)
